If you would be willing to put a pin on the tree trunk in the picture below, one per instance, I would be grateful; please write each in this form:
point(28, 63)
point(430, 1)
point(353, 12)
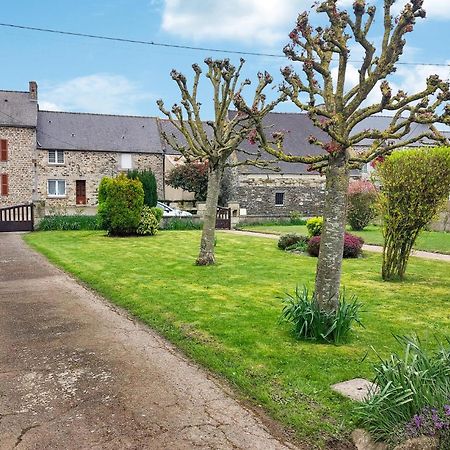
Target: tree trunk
point(328, 274)
point(206, 255)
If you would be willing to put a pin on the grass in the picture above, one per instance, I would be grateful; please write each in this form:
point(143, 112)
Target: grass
point(227, 316)
point(429, 241)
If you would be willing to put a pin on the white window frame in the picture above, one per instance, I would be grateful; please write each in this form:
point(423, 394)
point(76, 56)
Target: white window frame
point(59, 193)
point(126, 161)
point(58, 157)
point(279, 204)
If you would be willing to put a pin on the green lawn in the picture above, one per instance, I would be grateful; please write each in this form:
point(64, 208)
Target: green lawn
point(226, 316)
point(430, 241)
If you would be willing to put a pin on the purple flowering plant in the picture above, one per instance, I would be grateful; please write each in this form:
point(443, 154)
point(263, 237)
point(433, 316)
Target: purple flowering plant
point(434, 422)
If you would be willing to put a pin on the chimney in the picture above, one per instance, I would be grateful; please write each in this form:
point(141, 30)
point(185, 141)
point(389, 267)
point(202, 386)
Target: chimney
point(33, 90)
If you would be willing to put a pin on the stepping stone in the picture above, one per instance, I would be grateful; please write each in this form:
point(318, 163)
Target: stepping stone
point(357, 389)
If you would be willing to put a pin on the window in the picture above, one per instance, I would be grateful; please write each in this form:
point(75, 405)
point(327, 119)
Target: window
point(55, 157)
point(125, 161)
point(3, 150)
point(279, 198)
point(56, 188)
point(4, 186)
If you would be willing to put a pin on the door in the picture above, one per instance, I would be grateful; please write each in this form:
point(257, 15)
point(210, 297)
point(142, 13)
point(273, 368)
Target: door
point(81, 192)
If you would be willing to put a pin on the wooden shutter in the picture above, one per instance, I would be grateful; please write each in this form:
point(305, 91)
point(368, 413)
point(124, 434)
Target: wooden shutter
point(4, 184)
point(3, 150)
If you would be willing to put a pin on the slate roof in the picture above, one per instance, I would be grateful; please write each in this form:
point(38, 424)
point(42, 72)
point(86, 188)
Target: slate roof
point(298, 127)
point(167, 127)
point(17, 109)
point(97, 132)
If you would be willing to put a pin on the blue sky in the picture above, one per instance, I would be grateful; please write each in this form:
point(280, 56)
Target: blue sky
point(80, 74)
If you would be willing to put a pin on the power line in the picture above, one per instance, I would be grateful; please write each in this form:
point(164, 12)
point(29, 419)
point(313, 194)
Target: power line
point(179, 46)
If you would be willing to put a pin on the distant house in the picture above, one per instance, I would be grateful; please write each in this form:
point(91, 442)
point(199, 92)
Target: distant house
point(58, 159)
point(263, 192)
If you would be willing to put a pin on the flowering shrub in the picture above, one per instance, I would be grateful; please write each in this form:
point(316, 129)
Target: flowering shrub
point(314, 226)
point(352, 246)
point(361, 210)
point(149, 224)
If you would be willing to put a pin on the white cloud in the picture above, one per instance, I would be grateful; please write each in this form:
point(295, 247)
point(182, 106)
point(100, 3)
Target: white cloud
point(436, 9)
point(253, 21)
point(101, 93)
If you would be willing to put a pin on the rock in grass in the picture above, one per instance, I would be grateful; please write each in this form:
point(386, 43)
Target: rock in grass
point(421, 443)
point(364, 441)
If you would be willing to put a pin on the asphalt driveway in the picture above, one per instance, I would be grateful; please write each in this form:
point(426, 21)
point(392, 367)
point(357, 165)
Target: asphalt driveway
point(76, 373)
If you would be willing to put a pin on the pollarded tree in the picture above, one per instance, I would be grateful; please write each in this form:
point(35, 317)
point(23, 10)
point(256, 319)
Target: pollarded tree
point(213, 141)
point(337, 109)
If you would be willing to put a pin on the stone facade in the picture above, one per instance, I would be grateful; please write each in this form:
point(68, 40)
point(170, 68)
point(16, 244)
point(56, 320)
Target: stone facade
point(20, 165)
point(301, 193)
point(90, 166)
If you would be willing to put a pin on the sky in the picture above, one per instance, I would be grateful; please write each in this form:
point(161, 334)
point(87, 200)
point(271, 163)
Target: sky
point(88, 75)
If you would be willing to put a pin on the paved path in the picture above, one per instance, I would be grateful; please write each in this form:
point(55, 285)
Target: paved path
point(75, 373)
point(369, 248)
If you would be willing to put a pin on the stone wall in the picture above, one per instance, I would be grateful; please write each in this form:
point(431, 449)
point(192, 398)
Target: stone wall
point(92, 167)
point(20, 166)
point(302, 193)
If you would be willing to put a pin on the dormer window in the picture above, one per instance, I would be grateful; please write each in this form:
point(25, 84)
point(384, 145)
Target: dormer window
point(56, 157)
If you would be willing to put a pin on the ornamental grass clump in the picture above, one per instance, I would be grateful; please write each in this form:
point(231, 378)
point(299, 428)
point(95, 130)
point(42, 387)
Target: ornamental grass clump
point(414, 394)
point(310, 322)
point(415, 185)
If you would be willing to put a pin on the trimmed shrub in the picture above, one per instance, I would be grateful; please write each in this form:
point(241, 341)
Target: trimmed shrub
point(149, 224)
point(121, 205)
point(290, 240)
point(352, 246)
point(148, 180)
point(414, 395)
point(314, 226)
point(78, 222)
point(311, 322)
point(362, 196)
point(415, 184)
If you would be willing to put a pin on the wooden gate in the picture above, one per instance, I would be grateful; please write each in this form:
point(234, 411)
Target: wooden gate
point(223, 218)
point(16, 218)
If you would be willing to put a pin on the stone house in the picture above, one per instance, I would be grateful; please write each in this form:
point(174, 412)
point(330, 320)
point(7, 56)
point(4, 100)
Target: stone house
point(57, 159)
point(264, 193)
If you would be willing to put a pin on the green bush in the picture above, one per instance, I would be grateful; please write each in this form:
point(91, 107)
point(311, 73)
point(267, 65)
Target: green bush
point(295, 218)
point(158, 213)
point(311, 322)
point(177, 223)
point(409, 384)
point(76, 222)
point(415, 184)
point(120, 205)
point(148, 180)
point(314, 226)
point(362, 196)
point(292, 241)
point(149, 224)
